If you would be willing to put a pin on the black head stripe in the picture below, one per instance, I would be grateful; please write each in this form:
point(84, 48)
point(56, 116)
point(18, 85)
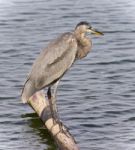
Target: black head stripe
point(83, 23)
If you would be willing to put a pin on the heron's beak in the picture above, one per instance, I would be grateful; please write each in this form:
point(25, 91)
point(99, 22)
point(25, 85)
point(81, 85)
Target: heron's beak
point(94, 31)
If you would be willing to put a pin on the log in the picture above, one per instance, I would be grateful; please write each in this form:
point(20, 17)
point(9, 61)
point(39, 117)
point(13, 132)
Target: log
point(63, 138)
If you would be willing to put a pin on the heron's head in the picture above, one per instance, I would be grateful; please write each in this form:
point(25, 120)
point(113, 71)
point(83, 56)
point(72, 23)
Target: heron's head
point(84, 27)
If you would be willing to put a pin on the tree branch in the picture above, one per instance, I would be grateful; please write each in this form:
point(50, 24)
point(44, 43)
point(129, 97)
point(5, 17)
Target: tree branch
point(63, 138)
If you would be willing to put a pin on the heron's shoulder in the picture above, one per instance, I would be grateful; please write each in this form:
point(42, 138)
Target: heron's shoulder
point(62, 40)
point(67, 36)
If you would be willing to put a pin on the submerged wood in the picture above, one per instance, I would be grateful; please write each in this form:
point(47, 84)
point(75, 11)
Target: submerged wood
point(63, 138)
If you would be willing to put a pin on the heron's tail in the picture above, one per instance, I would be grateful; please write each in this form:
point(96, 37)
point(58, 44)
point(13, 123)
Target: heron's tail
point(27, 91)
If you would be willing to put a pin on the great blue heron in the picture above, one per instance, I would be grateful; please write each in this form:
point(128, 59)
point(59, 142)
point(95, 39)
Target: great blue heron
point(55, 60)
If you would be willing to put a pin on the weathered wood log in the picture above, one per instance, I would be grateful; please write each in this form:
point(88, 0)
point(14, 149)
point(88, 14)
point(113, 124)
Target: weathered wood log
point(63, 138)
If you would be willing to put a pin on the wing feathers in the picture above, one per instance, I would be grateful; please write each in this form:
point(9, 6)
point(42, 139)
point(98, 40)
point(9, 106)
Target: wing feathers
point(52, 63)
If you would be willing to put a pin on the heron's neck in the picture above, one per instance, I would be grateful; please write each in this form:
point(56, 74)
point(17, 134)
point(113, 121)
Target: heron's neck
point(84, 45)
point(82, 39)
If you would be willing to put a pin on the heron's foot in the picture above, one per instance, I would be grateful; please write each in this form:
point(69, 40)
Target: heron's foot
point(56, 120)
point(62, 128)
point(55, 117)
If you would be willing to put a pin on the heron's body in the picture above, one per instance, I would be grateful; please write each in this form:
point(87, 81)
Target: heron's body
point(50, 65)
point(56, 59)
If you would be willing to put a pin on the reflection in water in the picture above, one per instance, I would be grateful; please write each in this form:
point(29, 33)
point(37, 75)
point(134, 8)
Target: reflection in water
point(38, 128)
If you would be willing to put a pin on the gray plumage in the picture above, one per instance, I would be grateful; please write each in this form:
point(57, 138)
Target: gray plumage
point(57, 58)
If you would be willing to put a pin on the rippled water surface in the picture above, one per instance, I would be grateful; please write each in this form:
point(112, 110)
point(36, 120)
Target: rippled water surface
point(96, 98)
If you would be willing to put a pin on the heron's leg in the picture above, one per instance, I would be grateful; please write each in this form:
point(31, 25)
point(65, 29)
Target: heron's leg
point(49, 94)
point(52, 104)
point(55, 109)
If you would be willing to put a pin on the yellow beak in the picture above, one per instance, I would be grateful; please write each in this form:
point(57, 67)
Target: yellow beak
point(94, 31)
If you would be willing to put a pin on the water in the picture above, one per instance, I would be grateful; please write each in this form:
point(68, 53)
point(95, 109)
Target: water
point(96, 98)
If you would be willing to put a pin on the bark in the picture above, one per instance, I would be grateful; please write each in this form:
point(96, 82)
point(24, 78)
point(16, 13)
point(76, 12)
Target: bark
point(63, 138)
